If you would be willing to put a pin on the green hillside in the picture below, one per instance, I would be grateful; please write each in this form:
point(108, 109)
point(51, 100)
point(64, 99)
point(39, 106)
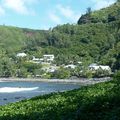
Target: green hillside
point(104, 15)
point(95, 39)
point(11, 38)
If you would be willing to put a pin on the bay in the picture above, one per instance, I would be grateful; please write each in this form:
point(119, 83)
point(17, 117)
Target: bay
point(17, 91)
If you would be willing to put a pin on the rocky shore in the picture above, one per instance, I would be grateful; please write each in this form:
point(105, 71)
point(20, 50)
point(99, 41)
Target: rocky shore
point(82, 81)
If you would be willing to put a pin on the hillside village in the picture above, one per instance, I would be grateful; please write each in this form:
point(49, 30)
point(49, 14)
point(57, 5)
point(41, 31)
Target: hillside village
point(49, 68)
point(87, 50)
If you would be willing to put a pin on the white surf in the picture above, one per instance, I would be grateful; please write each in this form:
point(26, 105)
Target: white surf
point(16, 89)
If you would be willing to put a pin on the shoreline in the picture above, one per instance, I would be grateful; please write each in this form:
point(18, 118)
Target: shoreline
point(81, 81)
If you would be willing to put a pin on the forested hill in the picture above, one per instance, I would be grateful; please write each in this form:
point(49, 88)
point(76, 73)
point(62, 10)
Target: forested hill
point(104, 15)
point(96, 38)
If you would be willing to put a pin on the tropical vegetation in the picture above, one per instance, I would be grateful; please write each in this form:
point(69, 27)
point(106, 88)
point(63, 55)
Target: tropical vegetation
point(94, 39)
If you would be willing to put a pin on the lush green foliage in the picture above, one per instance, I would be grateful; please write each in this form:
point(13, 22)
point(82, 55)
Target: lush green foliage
point(96, 102)
point(104, 15)
point(96, 39)
point(61, 74)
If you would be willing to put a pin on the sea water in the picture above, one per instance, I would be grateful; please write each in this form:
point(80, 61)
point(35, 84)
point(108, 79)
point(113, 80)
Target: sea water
point(16, 91)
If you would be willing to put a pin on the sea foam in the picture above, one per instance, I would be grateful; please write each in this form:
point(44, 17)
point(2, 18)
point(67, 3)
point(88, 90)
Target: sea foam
point(16, 89)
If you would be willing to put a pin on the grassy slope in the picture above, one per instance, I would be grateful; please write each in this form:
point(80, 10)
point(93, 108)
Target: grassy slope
point(11, 38)
point(14, 39)
point(97, 102)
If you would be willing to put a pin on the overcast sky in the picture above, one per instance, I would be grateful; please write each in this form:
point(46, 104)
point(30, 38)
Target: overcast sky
point(44, 14)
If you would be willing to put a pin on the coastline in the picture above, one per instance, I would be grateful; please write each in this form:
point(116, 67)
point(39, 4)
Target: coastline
point(7, 99)
point(82, 81)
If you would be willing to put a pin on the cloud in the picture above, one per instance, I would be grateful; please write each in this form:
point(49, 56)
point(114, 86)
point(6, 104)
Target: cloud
point(98, 4)
point(68, 13)
point(2, 11)
point(61, 13)
point(19, 6)
point(56, 19)
point(16, 5)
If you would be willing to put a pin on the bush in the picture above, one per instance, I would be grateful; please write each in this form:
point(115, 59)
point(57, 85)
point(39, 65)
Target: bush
point(89, 74)
point(117, 76)
point(22, 73)
point(46, 76)
point(61, 73)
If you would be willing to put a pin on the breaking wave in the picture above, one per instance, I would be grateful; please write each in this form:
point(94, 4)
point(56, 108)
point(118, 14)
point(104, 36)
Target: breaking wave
point(16, 89)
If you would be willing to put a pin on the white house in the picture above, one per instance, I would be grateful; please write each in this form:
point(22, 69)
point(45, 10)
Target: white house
point(105, 67)
point(93, 64)
point(35, 60)
point(48, 57)
point(50, 69)
point(79, 62)
point(72, 66)
point(97, 67)
point(21, 55)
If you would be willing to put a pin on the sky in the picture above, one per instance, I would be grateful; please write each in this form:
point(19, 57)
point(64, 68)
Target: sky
point(45, 14)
